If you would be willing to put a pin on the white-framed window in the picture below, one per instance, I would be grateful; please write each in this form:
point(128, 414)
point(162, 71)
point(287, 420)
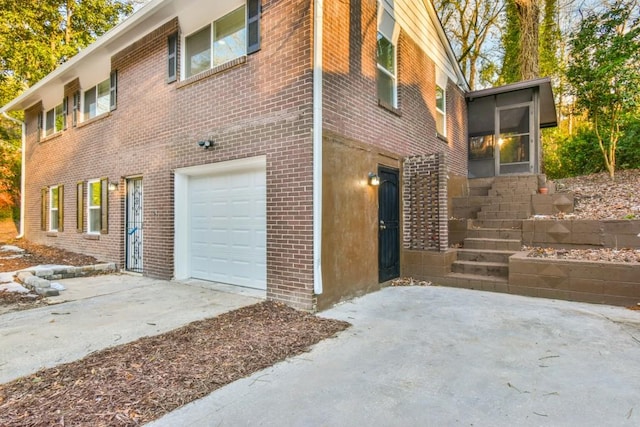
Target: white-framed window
point(54, 208)
point(94, 206)
point(101, 98)
point(55, 120)
point(97, 100)
point(441, 110)
point(224, 40)
point(387, 72)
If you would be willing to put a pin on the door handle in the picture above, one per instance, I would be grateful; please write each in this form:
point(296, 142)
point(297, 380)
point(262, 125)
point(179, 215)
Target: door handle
point(382, 225)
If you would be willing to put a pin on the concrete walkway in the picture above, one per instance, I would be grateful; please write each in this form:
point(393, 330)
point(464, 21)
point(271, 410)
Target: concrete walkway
point(440, 356)
point(104, 311)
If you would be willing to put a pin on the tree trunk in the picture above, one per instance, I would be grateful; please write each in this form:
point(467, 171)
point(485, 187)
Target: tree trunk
point(528, 15)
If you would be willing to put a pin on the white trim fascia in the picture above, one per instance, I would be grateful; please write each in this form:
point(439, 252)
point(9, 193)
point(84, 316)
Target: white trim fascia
point(317, 145)
point(101, 42)
point(462, 80)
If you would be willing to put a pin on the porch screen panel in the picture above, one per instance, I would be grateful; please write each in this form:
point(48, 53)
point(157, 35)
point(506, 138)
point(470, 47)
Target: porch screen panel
point(514, 135)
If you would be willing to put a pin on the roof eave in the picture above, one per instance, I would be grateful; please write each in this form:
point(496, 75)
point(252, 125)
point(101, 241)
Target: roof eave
point(25, 99)
point(547, 102)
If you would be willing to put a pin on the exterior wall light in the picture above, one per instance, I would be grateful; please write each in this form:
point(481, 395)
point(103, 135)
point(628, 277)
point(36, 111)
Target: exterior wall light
point(113, 186)
point(207, 143)
point(374, 179)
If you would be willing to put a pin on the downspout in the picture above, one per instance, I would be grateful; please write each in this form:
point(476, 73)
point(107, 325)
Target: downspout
point(317, 146)
point(22, 171)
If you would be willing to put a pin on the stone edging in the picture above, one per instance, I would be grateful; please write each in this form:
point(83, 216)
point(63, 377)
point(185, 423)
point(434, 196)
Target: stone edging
point(39, 279)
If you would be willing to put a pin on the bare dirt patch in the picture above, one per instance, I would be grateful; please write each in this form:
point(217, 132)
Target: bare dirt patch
point(138, 382)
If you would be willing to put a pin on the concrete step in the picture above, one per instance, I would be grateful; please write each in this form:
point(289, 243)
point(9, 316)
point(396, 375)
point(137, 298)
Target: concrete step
point(479, 191)
point(494, 233)
point(508, 207)
point(494, 244)
point(504, 215)
point(506, 192)
point(481, 268)
point(484, 255)
point(516, 180)
point(479, 201)
point(473, 281)
point(513, 224)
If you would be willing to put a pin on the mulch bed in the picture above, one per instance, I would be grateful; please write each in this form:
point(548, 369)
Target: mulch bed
point(138, 382)
point(15, 301)
point(35, 254)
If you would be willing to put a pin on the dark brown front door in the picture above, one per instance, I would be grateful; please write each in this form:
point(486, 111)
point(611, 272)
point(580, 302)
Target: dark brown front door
point(389, 225)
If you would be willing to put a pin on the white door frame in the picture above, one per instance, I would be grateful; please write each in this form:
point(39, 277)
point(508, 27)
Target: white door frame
point(182, 208)
point(498, 165)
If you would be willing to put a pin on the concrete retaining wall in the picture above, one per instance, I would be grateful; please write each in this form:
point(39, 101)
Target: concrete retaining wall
point(425, 265)
point(581, 233)
point(586, 281)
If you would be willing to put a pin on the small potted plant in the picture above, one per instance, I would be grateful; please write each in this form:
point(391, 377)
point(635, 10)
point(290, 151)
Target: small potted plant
point(542, 184)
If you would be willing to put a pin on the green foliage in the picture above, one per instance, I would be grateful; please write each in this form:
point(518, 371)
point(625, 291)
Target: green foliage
point(566, 156)
point(549, 38)
point(629, 146)
point(10, 161)
point(36, 36)
point(510, 71)
point(604, 72)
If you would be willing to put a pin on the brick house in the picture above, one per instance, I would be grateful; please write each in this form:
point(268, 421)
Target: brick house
point(241, 142)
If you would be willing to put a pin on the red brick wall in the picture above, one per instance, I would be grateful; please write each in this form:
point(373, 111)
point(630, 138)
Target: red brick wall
point(350, 92)
point(259, 107)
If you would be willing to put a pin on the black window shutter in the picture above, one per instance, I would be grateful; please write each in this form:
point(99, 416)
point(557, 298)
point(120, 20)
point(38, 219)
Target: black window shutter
point(65, 109)
point(253, 25)
point(40, 120)
point(172, 58)
point(104, 206)
point(60, 207)
point(113, 89)
point(80, 207)
point(76, 108)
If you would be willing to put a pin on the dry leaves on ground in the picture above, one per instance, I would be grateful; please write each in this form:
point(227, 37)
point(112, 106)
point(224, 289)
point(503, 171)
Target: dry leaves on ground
point(138, 382)
point(626, 255)
point(597, 197)
point(35, 254)
point(409, 281)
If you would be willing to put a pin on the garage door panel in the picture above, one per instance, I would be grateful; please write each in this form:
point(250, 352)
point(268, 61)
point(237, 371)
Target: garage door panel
point(228, 227)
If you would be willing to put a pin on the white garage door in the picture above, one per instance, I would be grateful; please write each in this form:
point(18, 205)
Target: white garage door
point(228, 227)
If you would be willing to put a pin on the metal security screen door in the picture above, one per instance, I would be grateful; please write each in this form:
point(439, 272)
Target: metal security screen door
point(134, 225)
point(389, 225)
point(515, 139)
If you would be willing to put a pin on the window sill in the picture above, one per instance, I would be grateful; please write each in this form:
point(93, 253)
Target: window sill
point(215, 70)
point(442, 137)
point(52, 234)
point(93, 119)
point(50, 137)
point(389, 107)
point(91, 237)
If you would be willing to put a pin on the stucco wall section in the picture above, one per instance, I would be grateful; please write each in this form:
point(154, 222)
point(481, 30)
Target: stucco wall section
point(350, 218)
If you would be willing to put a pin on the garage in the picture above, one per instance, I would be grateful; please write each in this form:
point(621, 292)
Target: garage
point(225, 211)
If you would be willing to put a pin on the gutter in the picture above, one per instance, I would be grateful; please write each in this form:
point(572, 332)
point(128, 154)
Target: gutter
point(317, 146)
point(22, 171)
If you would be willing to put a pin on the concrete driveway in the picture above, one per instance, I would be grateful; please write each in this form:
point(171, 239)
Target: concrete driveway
point(103, 311)
point(440, 356)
